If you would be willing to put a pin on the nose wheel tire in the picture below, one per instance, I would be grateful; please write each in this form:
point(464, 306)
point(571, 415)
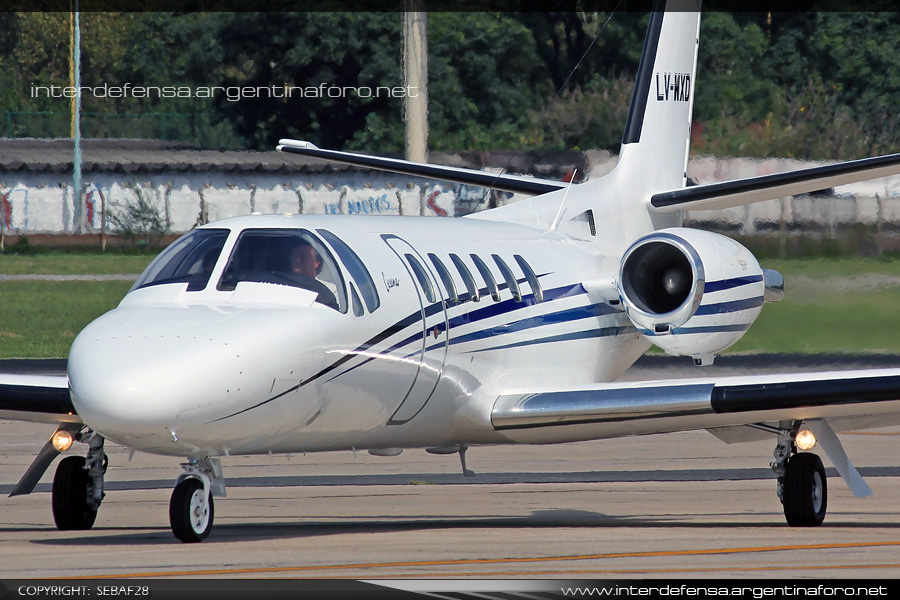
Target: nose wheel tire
point(805, 494)
point(71, 510)
point(191, 511)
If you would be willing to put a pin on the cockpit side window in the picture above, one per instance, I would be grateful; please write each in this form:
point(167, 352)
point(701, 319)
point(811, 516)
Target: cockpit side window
point(189, 259)
point(357, 269)
point(355, 302)
point(293, 257)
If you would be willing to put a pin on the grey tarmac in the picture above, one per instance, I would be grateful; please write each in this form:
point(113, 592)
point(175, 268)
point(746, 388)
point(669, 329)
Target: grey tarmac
point(671, 506)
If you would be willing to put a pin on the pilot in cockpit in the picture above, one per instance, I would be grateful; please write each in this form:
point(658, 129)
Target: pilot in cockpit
point(306, 264)
point(305, 260)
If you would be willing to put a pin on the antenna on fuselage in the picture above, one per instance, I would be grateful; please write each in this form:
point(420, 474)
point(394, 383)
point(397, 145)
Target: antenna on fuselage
point(560, 212)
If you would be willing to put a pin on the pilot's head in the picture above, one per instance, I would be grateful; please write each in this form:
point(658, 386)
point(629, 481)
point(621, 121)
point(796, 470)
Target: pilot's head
point(305, 260)
point(209, 260)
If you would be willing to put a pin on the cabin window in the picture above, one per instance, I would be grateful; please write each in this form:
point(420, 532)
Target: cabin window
point(293, 257)
point(189, 259)
point(487, 276)
point(511, 282)
point(422, 276)
point(356, 268)
point(446, 278)
point(531, 277)
point(466, 277)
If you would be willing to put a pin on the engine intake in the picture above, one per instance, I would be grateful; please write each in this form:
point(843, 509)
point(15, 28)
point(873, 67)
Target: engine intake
point(661, 282)
point(692, 292)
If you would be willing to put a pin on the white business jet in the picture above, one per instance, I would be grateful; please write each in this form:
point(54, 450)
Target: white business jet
point(309, 333)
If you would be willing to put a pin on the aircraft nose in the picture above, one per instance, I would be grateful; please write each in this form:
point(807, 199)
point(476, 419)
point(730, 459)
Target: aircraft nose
point(128, 382)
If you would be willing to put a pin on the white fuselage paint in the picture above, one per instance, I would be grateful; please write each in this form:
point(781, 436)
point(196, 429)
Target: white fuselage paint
point(263, 368)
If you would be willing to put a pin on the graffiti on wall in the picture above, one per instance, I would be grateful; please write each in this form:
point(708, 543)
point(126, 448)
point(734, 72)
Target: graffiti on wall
point(372, 205)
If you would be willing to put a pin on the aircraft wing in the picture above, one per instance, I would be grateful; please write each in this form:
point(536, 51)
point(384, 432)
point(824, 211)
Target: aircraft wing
point(34, 397)
point(508, 183)
point(42, 398)
point(727, 194)
point(861, 399)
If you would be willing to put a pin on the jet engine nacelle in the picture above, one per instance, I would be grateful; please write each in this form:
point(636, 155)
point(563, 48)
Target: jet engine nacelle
point(690, 292)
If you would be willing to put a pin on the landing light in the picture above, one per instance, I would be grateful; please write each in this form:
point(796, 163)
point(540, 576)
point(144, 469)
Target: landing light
point(62, 440)
point(805, 440)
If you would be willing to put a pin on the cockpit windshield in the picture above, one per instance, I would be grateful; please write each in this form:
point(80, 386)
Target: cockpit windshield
point(293, 257)
point(190, 259)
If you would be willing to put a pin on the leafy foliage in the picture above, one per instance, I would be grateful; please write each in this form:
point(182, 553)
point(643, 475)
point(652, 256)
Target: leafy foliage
point(798, 84)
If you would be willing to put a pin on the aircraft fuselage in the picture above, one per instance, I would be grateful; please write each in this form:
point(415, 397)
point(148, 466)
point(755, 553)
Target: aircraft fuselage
point(264, 368)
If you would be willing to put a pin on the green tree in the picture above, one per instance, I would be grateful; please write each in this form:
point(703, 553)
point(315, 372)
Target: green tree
point(857, 56)
point(484, 78)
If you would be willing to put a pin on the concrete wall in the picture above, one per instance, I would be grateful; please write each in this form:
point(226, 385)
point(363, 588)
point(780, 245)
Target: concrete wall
point(42, 203)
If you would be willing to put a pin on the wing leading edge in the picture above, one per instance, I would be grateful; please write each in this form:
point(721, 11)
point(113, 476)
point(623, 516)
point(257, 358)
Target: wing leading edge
point(39, 398)
point(679, 405)
point(728, 194)
point(507, 183)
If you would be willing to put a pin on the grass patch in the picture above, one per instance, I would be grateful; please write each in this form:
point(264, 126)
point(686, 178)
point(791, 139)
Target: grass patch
point(40, 319)
point(831, 267)
point(73, 264)
point(833, 322)
point(848, 305)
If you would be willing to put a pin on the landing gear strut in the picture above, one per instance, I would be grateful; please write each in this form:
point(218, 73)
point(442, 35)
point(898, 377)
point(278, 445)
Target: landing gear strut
point(191, 509)
point(802, 487)
point(78, 486)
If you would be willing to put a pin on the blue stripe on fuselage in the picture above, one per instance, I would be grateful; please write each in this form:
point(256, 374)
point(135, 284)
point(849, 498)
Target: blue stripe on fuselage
point(563, 316)
point(491, 310)
point(732, 306)
point(566, 337)
point(727, 284)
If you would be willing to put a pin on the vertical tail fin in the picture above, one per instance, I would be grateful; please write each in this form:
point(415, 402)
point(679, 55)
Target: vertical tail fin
point(654, 152)
point(658, 129)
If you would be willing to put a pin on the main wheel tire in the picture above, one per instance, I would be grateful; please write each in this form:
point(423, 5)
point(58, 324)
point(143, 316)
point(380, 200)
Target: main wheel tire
point(71, 510)
point(805, 492)
point(190, 516)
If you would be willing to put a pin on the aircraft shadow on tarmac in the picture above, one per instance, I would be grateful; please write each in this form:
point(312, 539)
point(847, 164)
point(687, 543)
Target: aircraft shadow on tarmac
point(662, 475)
point(305, 526)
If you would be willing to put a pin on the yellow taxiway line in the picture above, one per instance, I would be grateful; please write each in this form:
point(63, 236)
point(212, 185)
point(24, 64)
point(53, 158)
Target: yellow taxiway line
point(538, 559)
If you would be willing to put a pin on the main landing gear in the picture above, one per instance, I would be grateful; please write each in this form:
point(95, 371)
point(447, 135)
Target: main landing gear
point(191, 509)
point(78, 486)
point(802, 487)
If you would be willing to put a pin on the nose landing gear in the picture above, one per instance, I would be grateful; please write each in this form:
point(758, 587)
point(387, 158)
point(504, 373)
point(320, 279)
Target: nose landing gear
point(191, 511)
point(191, 508)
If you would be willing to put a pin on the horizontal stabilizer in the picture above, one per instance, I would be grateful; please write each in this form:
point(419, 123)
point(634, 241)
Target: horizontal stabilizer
point(507, 183)
point(727, 194)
